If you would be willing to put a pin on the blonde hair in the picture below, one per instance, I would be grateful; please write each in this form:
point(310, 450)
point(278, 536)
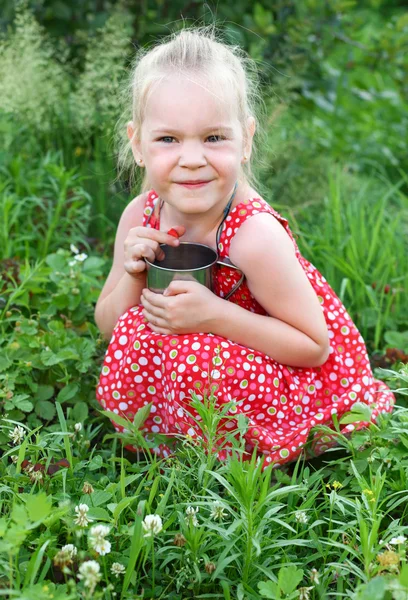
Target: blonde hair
point(192, 52)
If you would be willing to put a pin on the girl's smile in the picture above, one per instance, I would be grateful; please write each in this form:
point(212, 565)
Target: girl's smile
point(193, 184)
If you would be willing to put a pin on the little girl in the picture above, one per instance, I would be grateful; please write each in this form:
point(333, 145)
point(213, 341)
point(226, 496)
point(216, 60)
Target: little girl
point(282, 347)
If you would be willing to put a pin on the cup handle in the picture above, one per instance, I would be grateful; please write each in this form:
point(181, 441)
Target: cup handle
point(225, 262)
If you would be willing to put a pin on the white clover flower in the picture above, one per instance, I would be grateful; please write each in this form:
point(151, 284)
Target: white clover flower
point(304, 593)
point(191, 515)
point(97, 540)
point(217, 511)
point(102, 547)
point(78, 427)
point(17, 435)
point(89, 571)
point(74, 249)
point(87, 488)
point(401, 539)
point(152, 525)
point(314, 576)
point(70, 549)
point(36, 476)
point(82, 519)
point(64, 557)
point(117, 569)
point(301, 516)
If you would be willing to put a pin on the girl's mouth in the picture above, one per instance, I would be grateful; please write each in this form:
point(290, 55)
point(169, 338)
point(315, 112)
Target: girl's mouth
point(193, 185)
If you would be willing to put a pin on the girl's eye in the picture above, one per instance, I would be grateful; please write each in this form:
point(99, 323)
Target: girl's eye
point(220, 137)
point(168, 139)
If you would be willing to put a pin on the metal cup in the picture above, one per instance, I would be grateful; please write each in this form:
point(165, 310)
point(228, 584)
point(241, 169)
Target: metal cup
point(187, 262)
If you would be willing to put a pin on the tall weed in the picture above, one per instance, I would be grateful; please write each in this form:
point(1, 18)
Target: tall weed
point(42, 207)
point(360, 245)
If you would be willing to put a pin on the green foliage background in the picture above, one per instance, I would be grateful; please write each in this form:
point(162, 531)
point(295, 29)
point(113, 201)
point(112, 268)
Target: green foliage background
point(334, 161)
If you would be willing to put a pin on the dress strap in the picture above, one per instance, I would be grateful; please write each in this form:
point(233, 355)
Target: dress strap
point(152, 211)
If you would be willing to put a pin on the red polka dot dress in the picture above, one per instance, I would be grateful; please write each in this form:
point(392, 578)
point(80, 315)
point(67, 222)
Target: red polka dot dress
point(282, 403)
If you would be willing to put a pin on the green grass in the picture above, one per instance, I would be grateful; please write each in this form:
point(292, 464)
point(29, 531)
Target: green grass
point(324, 524)
point(358, 242)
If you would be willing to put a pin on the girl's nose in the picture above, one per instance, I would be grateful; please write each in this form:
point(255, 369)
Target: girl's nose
point(192, 156)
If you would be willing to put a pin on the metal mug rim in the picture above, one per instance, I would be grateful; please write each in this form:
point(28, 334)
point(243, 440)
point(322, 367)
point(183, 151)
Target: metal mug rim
point(156, 265)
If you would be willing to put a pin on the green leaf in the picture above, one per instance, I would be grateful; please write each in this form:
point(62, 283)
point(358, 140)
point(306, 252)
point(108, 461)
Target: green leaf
point(29, 327)
point(359, 412)
point(100, 497)
point(44, 392)
point(68, 392)
point(403, 578)
point(56, 262)
point(137, 543)
point(93, 263)
point(289, 578)
point(21, 402)
point(268, 589)
point(98, 513)
point(116, 509)
point(19, 514)
point(374, 590)
point(24, 405)
point(56, 327)
point(45, 410)
point(5, 363)
point(38, 507)
point(80, 412)
point(35, 563)
point(116, 418)
point(49, 358)
point(3, 526)
point(397, 339)
point(96, 463)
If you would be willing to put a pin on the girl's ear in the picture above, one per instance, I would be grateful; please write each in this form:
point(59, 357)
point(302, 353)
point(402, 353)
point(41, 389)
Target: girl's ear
point(251, 126)
point(130, 129)
point(134, 142)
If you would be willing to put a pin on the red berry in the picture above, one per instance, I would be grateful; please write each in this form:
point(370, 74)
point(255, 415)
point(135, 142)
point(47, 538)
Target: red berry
point(173, 232)
point(387, 289)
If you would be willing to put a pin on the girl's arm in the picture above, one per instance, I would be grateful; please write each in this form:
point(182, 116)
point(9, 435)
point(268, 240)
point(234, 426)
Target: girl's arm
point(275, 338)
point(127, 278)
point(296, 332)
point(121, 290)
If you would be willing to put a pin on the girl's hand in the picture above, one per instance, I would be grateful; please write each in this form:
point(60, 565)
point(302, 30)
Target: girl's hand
point(144, 242)
point(185, 307)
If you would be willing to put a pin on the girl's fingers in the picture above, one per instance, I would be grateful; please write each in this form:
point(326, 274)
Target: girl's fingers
point(161, 237)
point(151, 309)
point(177, 231)
point(154, 320)
point(135, 266)
point(145, 251)
point(160, 330)
point(153, 299)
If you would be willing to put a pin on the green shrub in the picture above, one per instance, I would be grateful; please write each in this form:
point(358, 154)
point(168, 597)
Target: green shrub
point(50, 346)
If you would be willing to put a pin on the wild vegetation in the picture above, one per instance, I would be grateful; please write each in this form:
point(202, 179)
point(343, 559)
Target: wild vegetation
point(81, 516)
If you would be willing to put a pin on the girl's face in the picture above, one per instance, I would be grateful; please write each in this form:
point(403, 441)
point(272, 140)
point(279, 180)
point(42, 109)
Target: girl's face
point(192, 145)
